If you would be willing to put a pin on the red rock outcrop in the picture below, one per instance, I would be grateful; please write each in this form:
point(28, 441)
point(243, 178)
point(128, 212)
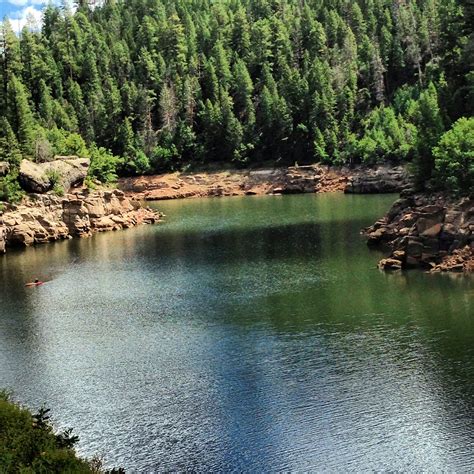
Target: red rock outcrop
point(48, 218)
point(289, 180)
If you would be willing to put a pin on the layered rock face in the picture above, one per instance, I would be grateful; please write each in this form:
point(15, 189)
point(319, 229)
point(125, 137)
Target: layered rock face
point(37, 177)
point(47, 218)
point(379, 180)
point(291, 180)
point(432, 232)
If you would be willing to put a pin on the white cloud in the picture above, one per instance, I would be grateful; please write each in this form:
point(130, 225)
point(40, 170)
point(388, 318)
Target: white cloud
point(30, 16)
point(18, 3)
point(22, 3)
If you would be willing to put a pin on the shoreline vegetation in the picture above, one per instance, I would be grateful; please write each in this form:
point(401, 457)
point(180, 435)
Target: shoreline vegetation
point(431, 232)
point(151, 86)
point(29, 443)
point(126, 90)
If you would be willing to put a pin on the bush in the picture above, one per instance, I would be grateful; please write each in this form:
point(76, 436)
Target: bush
point(162, 158)
point(103, 166)
point(386, 137)
point(135, 164)
point(454, 158)
point(28, 443)
point(66, 143)
point(10, 189)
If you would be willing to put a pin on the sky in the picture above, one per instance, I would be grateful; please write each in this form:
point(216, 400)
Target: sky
point(18, 11)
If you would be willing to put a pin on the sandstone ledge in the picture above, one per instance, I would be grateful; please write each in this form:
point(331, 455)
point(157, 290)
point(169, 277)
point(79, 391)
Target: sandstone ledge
point(434, 232)
point(314, 178)
point(48, 218)
point(285, 180)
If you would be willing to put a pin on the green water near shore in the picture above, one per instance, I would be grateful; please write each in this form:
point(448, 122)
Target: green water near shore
point(246, 334)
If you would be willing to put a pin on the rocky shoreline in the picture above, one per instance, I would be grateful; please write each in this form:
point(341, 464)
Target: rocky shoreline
point(433, 232)
point(43, 218)
point(274, 181)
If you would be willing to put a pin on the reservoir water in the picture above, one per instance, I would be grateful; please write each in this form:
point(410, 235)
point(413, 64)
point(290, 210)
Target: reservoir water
point(244, 334)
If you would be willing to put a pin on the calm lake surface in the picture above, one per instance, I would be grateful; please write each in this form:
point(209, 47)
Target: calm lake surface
point(245, 334)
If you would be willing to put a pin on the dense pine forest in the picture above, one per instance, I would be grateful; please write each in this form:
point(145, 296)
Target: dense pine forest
point(143, 86)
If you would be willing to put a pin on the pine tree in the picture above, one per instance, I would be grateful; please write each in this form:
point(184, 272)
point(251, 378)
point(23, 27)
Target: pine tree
point(20, 116)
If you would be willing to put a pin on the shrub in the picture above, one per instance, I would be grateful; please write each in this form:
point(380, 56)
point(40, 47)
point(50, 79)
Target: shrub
point(66, 143)
point(28, 443)
point(386, 137)
point(454, 158)
point(103, 165)
point(10, 189)
point(74, 144)
point(135, 164)
point(163, 157)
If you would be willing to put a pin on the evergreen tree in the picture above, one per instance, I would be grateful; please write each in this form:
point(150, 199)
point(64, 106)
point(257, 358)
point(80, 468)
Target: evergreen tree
point(187, 82)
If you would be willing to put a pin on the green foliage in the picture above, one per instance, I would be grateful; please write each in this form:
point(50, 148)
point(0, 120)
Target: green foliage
point(454, 158)
point(429, 120)
point(10, 190)
point(170, 83)
point(162, 157)
point(103, 165)
point(9, 148)
point(386, 137)
point(65, 143)
point(55, 179)
point(135, 164)
point(29, 444)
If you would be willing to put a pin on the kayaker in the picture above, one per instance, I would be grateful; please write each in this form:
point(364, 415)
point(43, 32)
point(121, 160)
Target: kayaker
point(35, 283)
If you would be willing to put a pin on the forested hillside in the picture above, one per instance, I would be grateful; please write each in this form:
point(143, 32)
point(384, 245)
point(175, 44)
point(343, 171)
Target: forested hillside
point(166, 83)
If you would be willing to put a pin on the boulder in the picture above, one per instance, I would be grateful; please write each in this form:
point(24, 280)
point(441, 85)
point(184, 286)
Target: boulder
point(2, 239)
point(414, 248)
point(4, 168)
point(95, 207)
point(21, 235)
point(430, 228)
point(72, 172)
point(390, 264)
point(432, 231)
point(36, 177)
point(33, 178)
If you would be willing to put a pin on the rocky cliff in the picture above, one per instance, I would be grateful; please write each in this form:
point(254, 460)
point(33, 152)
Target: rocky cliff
point(382, 179)
point(433, 232)
point(285, 180)
point(45, 218)
point(288, 180)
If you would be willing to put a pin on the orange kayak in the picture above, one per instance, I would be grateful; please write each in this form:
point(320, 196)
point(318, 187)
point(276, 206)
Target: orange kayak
point(35, 283)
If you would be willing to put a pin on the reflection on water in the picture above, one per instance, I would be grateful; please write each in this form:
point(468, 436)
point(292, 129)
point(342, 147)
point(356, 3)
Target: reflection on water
point(249, 334)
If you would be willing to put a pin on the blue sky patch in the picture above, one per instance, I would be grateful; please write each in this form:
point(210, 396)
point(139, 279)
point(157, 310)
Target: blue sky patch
point(18, 11)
